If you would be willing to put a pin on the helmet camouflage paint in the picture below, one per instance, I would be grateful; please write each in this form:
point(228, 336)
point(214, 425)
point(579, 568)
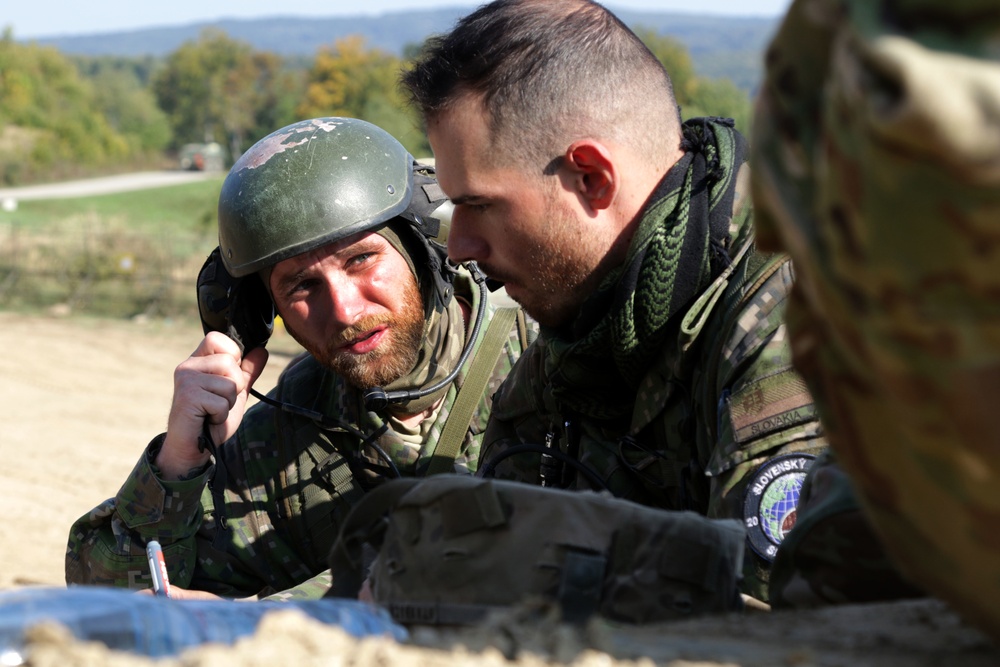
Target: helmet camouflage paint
point(308, 184)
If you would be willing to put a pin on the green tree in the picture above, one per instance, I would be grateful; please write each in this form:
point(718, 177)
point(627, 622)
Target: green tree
point(348, 79)
point(721, 97)
point(130, 108)
point(281, 86)
point(140, 68)
point(215, 89)
point(676, 60)
point(51, 123)
point(697, 96)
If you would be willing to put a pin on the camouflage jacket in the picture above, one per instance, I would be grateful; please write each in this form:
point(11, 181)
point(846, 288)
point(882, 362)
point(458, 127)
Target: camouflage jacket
point(263, 522)
point(877, 167)
point(710, 420)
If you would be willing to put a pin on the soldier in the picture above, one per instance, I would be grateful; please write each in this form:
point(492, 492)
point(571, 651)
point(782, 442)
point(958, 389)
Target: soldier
point(329, 222)
point(662, 372)
point(877, 165)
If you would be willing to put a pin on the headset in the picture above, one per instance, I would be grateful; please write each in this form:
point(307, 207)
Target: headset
point(242, 309)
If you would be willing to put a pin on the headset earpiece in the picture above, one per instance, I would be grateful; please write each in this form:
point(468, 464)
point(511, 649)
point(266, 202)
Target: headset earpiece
point(241, 308)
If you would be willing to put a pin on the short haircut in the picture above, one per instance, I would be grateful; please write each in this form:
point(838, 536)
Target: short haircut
point(549, 72)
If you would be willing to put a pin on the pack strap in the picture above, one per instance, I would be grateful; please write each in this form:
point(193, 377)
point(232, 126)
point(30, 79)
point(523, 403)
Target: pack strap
point(439, 613)
point(480, 372)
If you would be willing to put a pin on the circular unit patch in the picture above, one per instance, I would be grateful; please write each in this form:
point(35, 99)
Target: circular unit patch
point(770, 501)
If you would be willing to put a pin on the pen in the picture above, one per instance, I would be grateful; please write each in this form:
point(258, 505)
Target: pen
point(158, 568)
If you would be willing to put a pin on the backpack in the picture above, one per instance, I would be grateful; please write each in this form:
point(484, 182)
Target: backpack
point(452, 548)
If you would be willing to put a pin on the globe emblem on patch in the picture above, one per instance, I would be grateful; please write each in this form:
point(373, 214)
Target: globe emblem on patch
point(769, 506)
point(777, 507)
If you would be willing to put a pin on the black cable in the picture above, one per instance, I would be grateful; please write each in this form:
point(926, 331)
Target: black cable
point(377, 398)
point(330, 423)
point(587, 471)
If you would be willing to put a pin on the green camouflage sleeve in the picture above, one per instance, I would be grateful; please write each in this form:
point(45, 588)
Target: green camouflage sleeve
point(763, 407)
point(107, 546)
point(766, 430)
point(311, 589)
point(875, 165)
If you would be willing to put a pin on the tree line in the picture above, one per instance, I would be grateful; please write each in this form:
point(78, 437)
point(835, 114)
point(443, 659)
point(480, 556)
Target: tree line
point(64, 115)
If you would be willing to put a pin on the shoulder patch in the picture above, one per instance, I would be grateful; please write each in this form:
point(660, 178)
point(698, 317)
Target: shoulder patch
point(770, 404)
point(770, 501)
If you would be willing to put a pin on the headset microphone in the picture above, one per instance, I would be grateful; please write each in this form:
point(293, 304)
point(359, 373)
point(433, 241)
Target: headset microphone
point(377, 398)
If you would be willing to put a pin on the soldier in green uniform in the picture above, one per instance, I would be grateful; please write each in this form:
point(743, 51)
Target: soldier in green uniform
point(877, 166)
point(330, 223)
point(662, 372)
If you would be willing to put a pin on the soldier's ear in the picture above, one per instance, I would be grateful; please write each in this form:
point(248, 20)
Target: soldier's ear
point(594, 173)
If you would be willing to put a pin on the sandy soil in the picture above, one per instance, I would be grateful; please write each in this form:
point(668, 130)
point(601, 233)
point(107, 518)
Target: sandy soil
point(81, 398)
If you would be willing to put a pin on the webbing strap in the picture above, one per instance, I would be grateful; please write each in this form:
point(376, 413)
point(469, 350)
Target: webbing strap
point(468, 510)
point(480, 371)
point(439, 613)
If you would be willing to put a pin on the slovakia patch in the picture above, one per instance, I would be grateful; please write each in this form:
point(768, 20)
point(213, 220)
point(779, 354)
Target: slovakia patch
point(769, 505)
point(775, 403)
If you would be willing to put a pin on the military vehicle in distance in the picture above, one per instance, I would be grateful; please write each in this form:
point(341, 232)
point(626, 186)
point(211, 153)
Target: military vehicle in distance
point(202, 157)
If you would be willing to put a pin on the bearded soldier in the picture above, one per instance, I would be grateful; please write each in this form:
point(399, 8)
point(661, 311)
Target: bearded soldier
point(330, 223)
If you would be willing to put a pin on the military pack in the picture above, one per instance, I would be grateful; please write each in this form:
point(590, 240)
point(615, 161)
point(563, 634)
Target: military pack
point(452, 548)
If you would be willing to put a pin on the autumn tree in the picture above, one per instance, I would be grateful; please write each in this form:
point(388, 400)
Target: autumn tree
point(348, 79)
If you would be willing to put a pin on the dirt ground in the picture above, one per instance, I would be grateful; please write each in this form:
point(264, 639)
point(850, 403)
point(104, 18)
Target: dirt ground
point(81, 398)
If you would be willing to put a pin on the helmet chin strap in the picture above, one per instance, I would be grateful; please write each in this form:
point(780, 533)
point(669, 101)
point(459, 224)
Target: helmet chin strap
point(377, 398)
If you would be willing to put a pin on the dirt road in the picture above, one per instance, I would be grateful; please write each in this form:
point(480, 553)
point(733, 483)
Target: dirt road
point(100, 186)
point(81, 398)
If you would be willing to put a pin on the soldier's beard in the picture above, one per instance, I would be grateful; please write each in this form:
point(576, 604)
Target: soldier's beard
point(396, 354)
point(563, 269)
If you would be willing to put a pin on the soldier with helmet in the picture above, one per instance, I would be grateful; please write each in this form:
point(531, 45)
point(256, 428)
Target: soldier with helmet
point(331, 224)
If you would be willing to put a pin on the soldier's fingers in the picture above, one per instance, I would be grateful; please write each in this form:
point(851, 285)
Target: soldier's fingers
point(216, 342)
point(253, 364)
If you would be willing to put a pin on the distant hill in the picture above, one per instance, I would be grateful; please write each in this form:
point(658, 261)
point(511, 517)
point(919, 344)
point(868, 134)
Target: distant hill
point(720, 46)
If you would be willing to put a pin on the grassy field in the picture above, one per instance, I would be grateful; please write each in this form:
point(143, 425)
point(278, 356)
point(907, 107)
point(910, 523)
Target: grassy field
point(189, 208)
point(116, 255)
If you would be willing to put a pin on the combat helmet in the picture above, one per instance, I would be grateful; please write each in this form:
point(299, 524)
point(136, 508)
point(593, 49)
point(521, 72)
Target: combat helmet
point(314, 182)
point(303, 186)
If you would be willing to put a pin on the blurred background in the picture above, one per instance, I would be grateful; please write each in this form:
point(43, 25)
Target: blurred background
point(105, 89)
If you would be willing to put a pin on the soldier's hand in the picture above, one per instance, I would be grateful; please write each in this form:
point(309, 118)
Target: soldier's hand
point(214, 384)
point(177, 593)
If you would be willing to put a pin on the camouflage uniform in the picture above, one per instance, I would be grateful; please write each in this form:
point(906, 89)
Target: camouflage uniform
point(266, 519)
point(700, 408)
point(876, 166)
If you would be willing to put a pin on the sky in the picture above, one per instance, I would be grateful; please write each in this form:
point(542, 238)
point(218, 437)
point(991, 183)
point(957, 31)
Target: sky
point(51, 18)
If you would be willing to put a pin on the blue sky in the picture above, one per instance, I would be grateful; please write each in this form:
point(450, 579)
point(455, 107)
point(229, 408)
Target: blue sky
point(49, 18)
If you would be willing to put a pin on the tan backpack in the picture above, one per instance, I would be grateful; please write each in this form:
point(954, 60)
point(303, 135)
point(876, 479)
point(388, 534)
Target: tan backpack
point(453, 547)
